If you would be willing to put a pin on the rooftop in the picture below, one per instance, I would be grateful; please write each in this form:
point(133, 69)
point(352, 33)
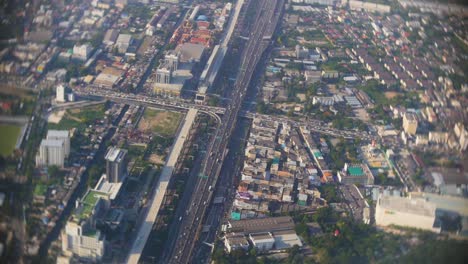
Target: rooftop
point(407, 205)
point(52, 142)
point(104, 186)
point(190, 52)
point(268, 224)
point(88, 203)
point(237, 239)
point(115, 154)
point(355, 171)
point(58, 133)
point(261, 236)
point(445, 202)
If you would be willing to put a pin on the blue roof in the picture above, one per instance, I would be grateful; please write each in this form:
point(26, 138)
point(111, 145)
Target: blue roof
point(202, 17)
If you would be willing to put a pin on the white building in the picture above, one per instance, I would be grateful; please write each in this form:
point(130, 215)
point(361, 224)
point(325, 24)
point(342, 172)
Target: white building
point(235, 241)
point(88, 245)
point(80, 236)
point(406, 211)
point(286, 239)
point(51, 152)
point(116, 166)
point(60, 94)
point(82, 52)
point(262, 241)
point(63, 135)
point(123, 42)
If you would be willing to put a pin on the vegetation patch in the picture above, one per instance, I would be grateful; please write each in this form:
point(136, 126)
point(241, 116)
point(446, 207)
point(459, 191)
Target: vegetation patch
point(80, 118)
point(163, 123)
point(8, 139)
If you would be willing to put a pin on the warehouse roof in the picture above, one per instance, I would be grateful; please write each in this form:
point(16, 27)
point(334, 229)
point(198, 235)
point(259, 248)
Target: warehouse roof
point(268, 224)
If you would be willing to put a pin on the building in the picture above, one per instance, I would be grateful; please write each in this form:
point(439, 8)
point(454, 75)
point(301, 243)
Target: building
point(302, 52)
point(356, 174)
point(123, 42)
point(235, 241)
point(60, 94)
point(368, 6)
point(448, 205)
point(410, 123)
point(116, 166)
point(312, 76)
point(51, 152)
point(82, 52)
point(172, 61)
point(61, 135)
point(189, 52)
point(163, 74)
point(110, 37)
point(111, 189)
point(264, 234)
point(106, 80)
point(262, 241)
point(406, 211)
point(80, 236)
point(462, 135)
point(450, 181)
point(286, 239)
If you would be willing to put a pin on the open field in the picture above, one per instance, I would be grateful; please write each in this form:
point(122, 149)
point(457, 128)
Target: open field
point(9, 136)
point(163, 123)
point(77, 118)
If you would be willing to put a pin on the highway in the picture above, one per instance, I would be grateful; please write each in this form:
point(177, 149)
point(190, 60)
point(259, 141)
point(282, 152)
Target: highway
point(150, 212)
point(183, 245)
point(190, 226)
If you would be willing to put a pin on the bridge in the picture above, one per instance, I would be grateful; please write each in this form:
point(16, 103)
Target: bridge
point(313, 125)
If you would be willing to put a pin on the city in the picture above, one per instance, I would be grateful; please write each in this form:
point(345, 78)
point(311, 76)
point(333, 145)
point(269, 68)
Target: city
point(233, 131)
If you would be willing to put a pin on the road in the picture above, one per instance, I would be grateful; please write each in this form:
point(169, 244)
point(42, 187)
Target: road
point(190, 226)
point(150, 212)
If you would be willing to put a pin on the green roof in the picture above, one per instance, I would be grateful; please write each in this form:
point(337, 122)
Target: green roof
point(355, 171)
point(87, 204)
point(318, 154)
point(276, 160)
point(235, 215)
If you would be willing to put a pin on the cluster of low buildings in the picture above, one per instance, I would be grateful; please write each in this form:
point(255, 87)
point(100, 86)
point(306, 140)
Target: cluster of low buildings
point(278, 167)
point(271, 234)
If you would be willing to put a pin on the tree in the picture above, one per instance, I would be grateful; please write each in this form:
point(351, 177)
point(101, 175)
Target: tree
point(53, 171)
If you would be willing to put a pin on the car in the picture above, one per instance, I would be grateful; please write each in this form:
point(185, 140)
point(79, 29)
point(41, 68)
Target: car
point(180, 218)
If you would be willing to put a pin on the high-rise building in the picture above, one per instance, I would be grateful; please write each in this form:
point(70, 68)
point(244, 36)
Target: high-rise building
point(163, 75)
point(51, 152)
point(60, 94)
point(116, 164)
point(410, 123)
point(80, 236)
point(82, 52)
point(63, 135)
point(172, 61)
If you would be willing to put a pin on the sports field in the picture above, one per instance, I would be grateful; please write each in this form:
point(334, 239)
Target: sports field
point(8, 136)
